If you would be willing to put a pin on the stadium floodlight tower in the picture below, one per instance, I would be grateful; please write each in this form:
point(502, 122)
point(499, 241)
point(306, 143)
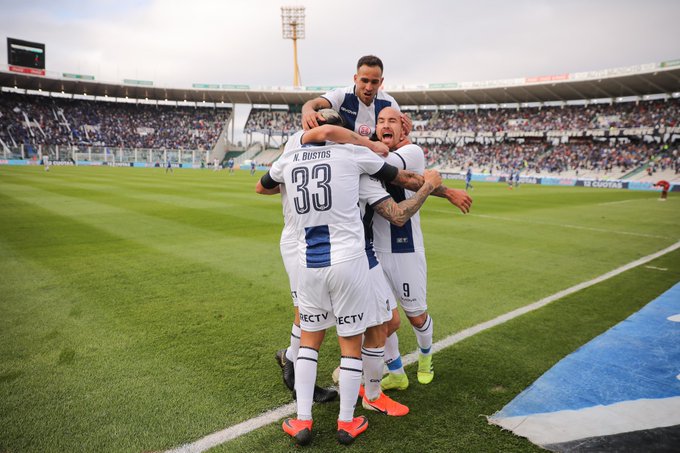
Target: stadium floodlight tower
point(293, 20)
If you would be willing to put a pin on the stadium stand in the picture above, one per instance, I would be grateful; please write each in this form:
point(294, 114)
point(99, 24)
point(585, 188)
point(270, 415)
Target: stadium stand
point(34, 120)
point(614, 123)
point(279, 122)
point(605, 141)
point(267, 157)
point(613, 141)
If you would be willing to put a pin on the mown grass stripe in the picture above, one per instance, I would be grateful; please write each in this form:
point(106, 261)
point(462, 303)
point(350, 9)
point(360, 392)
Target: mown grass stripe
point(272, 416)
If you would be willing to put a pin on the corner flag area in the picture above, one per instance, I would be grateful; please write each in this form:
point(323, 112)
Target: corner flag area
point(619, 392)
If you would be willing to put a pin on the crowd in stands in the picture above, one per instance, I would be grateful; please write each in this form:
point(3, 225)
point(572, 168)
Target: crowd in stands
point(279, 122)
point(585, 155)
point(572, 117)
point(37, 120)
point(614, 158)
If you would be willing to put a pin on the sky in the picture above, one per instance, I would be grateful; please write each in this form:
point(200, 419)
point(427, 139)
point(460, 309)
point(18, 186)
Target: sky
point(178, 43)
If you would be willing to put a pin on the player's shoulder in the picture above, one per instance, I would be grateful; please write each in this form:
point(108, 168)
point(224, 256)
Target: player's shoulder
point(347, 148)
point(294, 142)
point(339, 92)
point(411, 148)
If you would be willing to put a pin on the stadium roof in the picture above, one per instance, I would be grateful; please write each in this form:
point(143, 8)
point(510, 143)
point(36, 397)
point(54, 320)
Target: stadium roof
point(641, 80)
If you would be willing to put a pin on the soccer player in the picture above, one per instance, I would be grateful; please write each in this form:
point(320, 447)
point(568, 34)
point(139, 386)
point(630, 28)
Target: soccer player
point(230, 165)
point(664, 186)
point(468, 178)
point(252, 167)
point(402, 254)
point(373, 198)
point(168, 166)
point(323, 187)
point(358, 104)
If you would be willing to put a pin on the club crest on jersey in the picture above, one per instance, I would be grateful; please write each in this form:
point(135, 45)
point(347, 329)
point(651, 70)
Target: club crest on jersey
point(364, 130)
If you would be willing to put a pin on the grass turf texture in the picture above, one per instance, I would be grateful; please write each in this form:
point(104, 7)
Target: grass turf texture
point(140, 311)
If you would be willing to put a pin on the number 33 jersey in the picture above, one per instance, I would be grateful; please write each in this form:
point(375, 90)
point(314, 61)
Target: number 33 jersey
point(322, 193)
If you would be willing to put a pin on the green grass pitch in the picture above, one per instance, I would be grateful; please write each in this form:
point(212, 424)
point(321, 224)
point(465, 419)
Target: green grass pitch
point(141, 310)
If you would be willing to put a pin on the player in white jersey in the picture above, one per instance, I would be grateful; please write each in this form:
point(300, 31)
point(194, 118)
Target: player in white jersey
point(373, 198)
point(359, 104)
point(286, 358)
point(402, 254)
point(325, 181)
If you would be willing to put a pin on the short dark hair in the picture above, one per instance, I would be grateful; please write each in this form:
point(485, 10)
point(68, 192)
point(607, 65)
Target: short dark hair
point(370, 60)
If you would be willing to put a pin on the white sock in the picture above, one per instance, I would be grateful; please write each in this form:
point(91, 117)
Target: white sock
point(392, 355)
point(350, 379)
point(305, 378)
point(374, 361)
point(292, 351)
point(424, 336)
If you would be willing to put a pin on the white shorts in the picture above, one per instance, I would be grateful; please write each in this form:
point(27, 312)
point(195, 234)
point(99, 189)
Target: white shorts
point(383, 297)
point(407, 275)
point(291, 262)
point(339, 295)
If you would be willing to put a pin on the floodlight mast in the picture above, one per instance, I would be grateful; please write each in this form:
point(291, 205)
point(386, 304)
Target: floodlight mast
point(293, 21)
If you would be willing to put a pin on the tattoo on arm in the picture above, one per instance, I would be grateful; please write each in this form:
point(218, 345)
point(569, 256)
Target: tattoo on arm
point(399, 213)
point(409, 180)
point(440, 191)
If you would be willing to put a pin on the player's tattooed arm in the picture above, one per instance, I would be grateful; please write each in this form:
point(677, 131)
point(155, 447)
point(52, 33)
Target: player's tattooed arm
point(399, 213)
point(456, 197)
point(408, 180)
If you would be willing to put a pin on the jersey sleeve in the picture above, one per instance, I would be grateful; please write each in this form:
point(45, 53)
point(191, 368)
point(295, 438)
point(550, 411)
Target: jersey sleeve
point(409, 157)
point(371, 190)
point(276, 171)
point(294, 142)
point(335, 97)
point(368, 161)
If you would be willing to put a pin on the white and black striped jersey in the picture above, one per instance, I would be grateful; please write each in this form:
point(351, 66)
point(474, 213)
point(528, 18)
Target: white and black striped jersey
point(407, 238)
point(322, 191)
point(358, 116)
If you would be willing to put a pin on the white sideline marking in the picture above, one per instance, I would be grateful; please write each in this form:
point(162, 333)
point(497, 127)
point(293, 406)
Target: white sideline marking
point(220, 437)
point(227, 434)
point(657, 268)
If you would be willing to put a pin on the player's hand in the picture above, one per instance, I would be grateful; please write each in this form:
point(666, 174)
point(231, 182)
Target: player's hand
point(433, 177)
point(406, 123)
point(311, 119)
point(460, 199)
point(379, 148)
